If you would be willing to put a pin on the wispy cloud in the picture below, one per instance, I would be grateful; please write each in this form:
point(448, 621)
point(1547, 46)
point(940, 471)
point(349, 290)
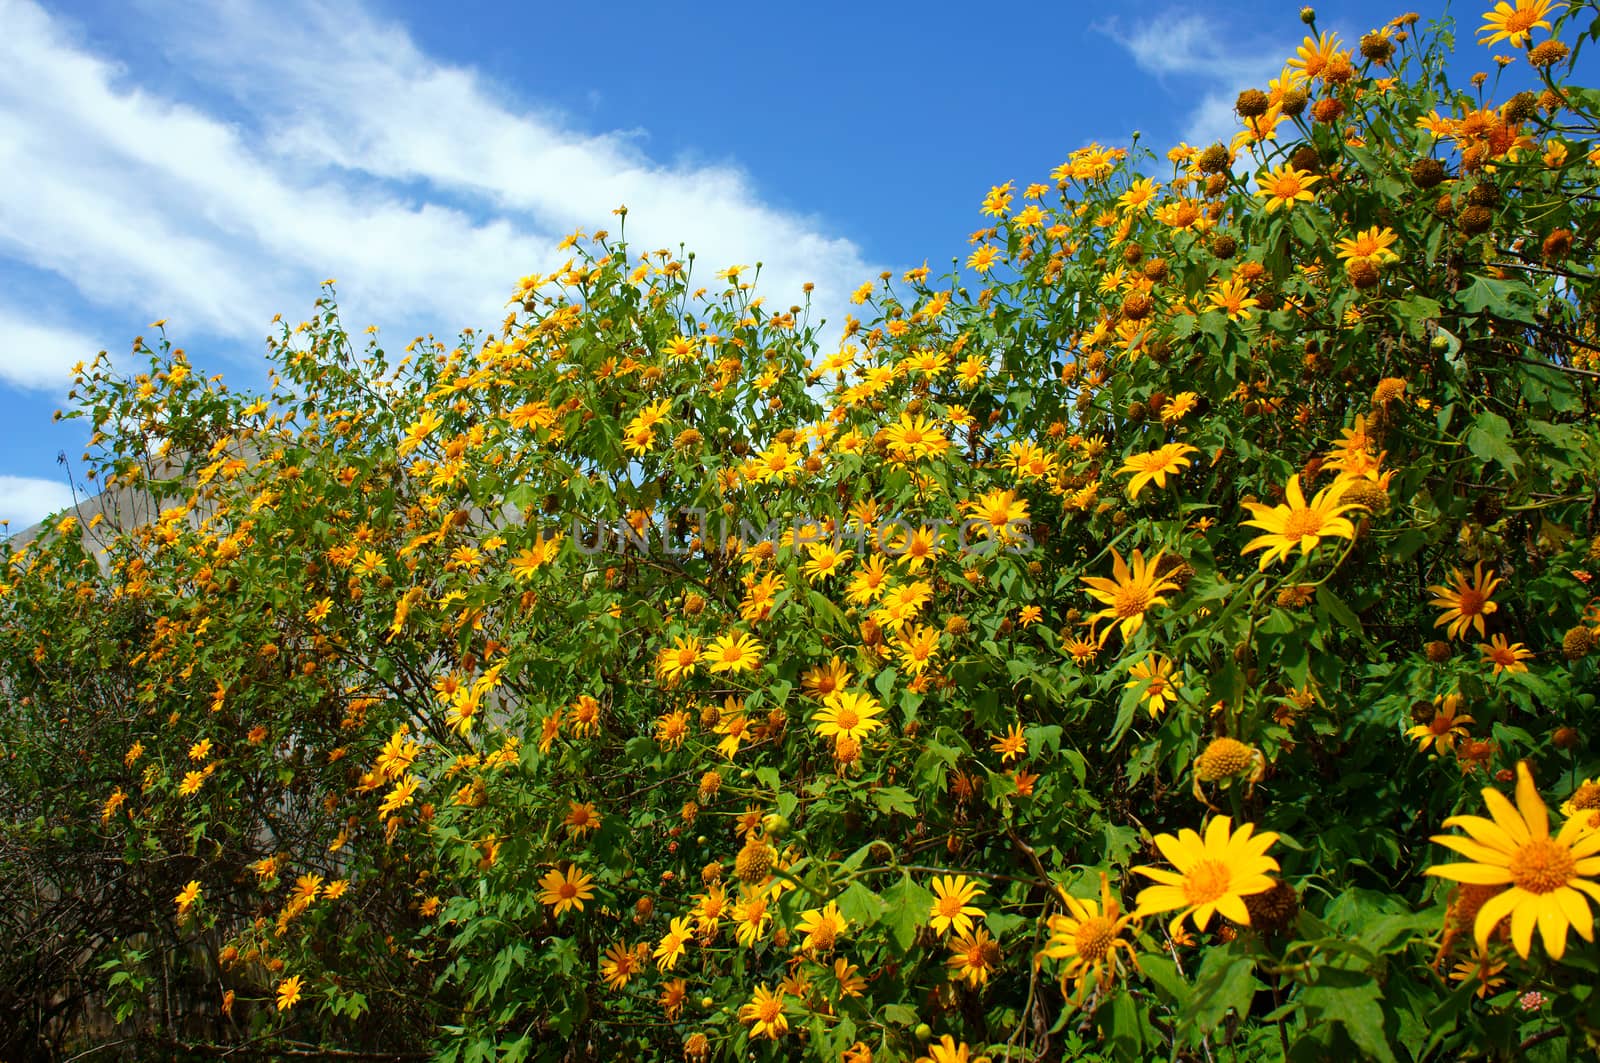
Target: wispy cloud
point(25, 501)
point(1209, 58)
point(327, 143)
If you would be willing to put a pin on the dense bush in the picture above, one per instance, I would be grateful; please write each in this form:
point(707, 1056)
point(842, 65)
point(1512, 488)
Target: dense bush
point(1086, 664)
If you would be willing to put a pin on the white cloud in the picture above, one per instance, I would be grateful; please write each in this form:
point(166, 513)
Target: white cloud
point(25, 501)
point(35, 355)
point(1197, 47)
point(345, 151)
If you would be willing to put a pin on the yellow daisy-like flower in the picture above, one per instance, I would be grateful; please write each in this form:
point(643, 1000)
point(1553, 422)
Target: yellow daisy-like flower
point(847, 712)
point(1548, 879)
point(566, 889)
point(1212, 875)
point(1465, 603)
point(822, 927)
point(1285, 186)
point(1154, 679)
point(1011, 745)
point(948, 1050)
point(289, 992)
point(952, 904)
point(1447, 725)
point(1373, 245)
point(738, 652)
point(187, 896)
point(1088, 936)
point(1129, 593)
point(677, 662)
point(1155, 466)
point(973, 956)
point(1505, 656)
point(1516, 24)
point(1298, 523)
point(765, 1013)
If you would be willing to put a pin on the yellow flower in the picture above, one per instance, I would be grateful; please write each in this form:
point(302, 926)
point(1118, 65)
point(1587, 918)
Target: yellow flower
point(973, 956)
point(187, 896)
point(1506, 657)
point(1370, 245)
point(1516, 24)
point(619, 965)
point(1129, 593)
point(1155, 466)
point(752, 915)
point(737, 652)
point(1011, 745)
point(1548, 878)
point(1088, 937)
point(948, 1050)
point(677, 662)
point(1466, 603)
point(1213, 875)
point(289, 992)
point(1298, 523)
point(821, 927)
point(1446, 726)
point(566, 889)
point(1154, 679)
point(1285, 186)
point(847, 712)
point(765, 1012)
point(952, 904)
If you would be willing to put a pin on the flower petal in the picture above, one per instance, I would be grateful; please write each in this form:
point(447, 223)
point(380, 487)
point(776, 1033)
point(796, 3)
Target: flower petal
point(1494, 909)
point(1505, 814)
point(1475, 874)
point(1530, 804)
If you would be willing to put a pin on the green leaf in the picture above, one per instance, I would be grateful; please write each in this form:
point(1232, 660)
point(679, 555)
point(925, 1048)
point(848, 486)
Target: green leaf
point(860, 905)
point(1226, 982)
point(1352, 1001)
point(1489, 439)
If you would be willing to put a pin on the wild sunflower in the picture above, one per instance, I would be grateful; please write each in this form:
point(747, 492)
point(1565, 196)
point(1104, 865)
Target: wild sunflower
point(1285, 186)
point(1298, 523)
point(847, 712)
point(566, 889)
point(619, 965)
point(1011, 745)
point(1465, 603)
point(1373, 245)
point(1447, 725)
point(1154, 466)
point(674, 943)
point(948, 1050)
point(677, 662)
point(737, 652)
point(1213, 875)
point(1155, 681)
point(822, 927)
point(1549, 880)
point(1129, 593)
point(765, 1014)
point(1516, 24)
point(1505, 656)
point(973, 956)
point(952, 904)
point(1088, 936)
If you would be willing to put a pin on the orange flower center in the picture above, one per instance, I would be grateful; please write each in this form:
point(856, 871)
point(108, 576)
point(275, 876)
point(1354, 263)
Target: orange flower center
point(566, 891)
point(1206, 881)
point(1520, 22)
point(1132, 600)
point(846, 718)
point(1470, 601)
point(950, 905)
point(1302, 522)
point(1586, 796)
point(1542, 866)
point(769, 1009)
point(1286, 187)
point(1094, 938)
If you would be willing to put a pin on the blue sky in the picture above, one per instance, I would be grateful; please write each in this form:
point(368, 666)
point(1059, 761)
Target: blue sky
point(211, 164)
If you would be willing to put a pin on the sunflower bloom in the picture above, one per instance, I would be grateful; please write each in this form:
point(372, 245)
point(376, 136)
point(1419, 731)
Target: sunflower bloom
point(1465, 603)
point(1506, 657)
point(822, 928)
point(1298, 523)
point(848, 713)
point(1088, 936)
point(1213, 874)
point(566, 889)
point(738, 652)
point(952, 904)
point(1447, 725)
point(1154, 679)
point(1548, 880)
point(1129, 593)
point(765, 1013)
point(1155, 466)
point(1285, 186)
point(1514, 25)
point(289, 992)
